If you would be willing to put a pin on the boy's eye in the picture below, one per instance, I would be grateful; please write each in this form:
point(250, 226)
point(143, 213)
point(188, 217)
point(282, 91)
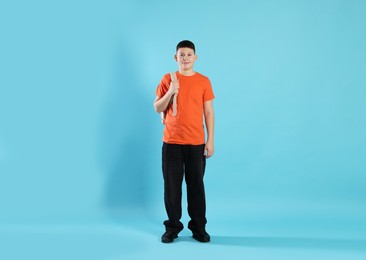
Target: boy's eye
point(189, 54)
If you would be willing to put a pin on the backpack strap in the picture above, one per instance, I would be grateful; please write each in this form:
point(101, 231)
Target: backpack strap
point(173, 76)
point(173, 101)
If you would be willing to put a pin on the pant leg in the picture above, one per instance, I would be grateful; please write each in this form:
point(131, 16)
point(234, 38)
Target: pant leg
point(195, 164)
point(173, 169)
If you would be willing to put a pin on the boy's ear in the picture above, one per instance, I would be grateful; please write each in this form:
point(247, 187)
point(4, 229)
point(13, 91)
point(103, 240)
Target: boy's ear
point(175, 57)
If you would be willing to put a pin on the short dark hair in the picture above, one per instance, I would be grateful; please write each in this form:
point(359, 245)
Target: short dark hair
point(186, 44)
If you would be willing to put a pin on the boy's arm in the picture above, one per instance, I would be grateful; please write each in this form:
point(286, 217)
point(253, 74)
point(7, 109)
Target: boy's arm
point(161, 103)
point(209, 120)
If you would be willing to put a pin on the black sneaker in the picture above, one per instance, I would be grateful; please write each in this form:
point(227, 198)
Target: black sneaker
point(201, 236)
point(168, 237)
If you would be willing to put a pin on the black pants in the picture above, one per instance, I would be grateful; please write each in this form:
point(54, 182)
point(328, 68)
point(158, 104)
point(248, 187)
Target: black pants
point(187, 161)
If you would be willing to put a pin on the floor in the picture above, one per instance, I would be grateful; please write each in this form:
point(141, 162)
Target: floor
point(138, 237)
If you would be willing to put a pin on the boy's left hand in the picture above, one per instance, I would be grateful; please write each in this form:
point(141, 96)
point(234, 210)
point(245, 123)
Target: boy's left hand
point(209, 150)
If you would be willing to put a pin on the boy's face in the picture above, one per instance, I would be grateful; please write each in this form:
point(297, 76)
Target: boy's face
point(185, 58)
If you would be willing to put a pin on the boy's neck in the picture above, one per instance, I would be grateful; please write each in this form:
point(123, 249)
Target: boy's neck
point(187, 72)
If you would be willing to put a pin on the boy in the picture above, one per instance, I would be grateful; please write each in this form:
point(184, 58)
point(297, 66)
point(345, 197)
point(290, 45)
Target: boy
point(184, 150)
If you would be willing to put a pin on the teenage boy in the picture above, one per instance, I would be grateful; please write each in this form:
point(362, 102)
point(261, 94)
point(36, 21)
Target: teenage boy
point(185, 148)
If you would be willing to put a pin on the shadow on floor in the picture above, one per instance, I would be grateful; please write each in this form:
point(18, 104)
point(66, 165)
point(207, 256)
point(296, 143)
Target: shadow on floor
point(291, 242)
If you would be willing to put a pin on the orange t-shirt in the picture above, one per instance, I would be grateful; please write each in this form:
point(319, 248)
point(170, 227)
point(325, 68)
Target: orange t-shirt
point(187, 126)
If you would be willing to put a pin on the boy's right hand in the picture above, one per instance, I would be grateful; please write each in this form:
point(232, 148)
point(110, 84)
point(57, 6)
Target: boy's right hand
point(174, 87)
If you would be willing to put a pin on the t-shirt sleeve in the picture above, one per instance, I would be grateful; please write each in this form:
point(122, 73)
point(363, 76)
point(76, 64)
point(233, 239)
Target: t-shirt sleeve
point(163, 86)
point(208, 95)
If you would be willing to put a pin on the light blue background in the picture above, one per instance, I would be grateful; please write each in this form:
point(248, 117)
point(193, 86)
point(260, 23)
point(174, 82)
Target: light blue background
point(80, 141)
